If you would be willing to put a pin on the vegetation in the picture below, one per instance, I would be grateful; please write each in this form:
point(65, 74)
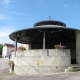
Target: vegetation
point(12, 50)
point(59, 46)
point(11, 62)
point(1, 46)
point(0, 56)
point(21, 48)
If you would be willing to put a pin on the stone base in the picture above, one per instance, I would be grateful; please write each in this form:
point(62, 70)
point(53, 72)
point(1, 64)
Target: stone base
point(46, 61)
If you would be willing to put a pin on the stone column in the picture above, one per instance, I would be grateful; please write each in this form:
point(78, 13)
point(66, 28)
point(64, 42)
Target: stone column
point(15, 44)
point(78, 47)
point(44, 39)
point(29, 46)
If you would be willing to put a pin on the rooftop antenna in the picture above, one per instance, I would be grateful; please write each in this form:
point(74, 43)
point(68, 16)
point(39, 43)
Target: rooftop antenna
point(49, 16)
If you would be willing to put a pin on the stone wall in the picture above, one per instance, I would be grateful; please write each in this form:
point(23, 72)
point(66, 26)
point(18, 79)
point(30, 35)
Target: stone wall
point(41, 61)
point(78, 46)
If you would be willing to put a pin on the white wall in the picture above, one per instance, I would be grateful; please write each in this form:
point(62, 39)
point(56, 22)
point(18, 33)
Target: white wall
point(4, 51)
point(9, 50)
point(78, 46)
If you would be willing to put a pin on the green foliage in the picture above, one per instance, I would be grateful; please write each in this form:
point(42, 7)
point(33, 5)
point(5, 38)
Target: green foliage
point(12, 50)
point(11, 62)
point(1, 46)
point(21, 48)
point(1, 56)
point(58, 46)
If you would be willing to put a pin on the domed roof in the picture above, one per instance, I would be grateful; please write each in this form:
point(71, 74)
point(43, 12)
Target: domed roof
point(55, 31)
point(50, 22)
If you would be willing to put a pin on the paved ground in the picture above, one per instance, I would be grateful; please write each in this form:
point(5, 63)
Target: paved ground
point(4, 67)
point(5, 75)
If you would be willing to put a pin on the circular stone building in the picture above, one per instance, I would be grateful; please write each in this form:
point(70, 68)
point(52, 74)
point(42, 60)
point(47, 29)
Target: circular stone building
point(42, 57)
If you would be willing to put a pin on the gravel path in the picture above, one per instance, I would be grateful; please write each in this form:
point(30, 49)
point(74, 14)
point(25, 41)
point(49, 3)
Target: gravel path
point(5, 75)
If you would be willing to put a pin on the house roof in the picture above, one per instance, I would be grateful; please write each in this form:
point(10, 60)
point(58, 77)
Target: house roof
point(8, 45)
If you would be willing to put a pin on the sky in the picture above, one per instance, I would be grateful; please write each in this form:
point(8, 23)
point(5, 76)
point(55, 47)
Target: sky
point(21, 14)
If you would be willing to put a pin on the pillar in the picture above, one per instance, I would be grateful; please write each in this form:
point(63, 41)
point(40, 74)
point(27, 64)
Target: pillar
point(78, 47)
point(15, 44)
point(44, 39)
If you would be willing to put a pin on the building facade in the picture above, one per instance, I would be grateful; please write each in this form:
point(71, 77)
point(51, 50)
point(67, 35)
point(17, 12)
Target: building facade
point(7, 49)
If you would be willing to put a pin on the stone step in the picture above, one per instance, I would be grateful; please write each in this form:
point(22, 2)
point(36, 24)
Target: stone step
point(72, 70)
point(73, 67)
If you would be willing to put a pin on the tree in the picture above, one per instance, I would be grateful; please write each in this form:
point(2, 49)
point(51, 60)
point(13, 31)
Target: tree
point(1, 46)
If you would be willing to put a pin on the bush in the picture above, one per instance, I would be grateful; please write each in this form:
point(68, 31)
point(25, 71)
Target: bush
point(59, 46)
point(1, 56)
point(21, 48)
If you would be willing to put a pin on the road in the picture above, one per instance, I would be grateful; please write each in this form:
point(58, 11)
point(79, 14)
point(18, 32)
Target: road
point(5, 75)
